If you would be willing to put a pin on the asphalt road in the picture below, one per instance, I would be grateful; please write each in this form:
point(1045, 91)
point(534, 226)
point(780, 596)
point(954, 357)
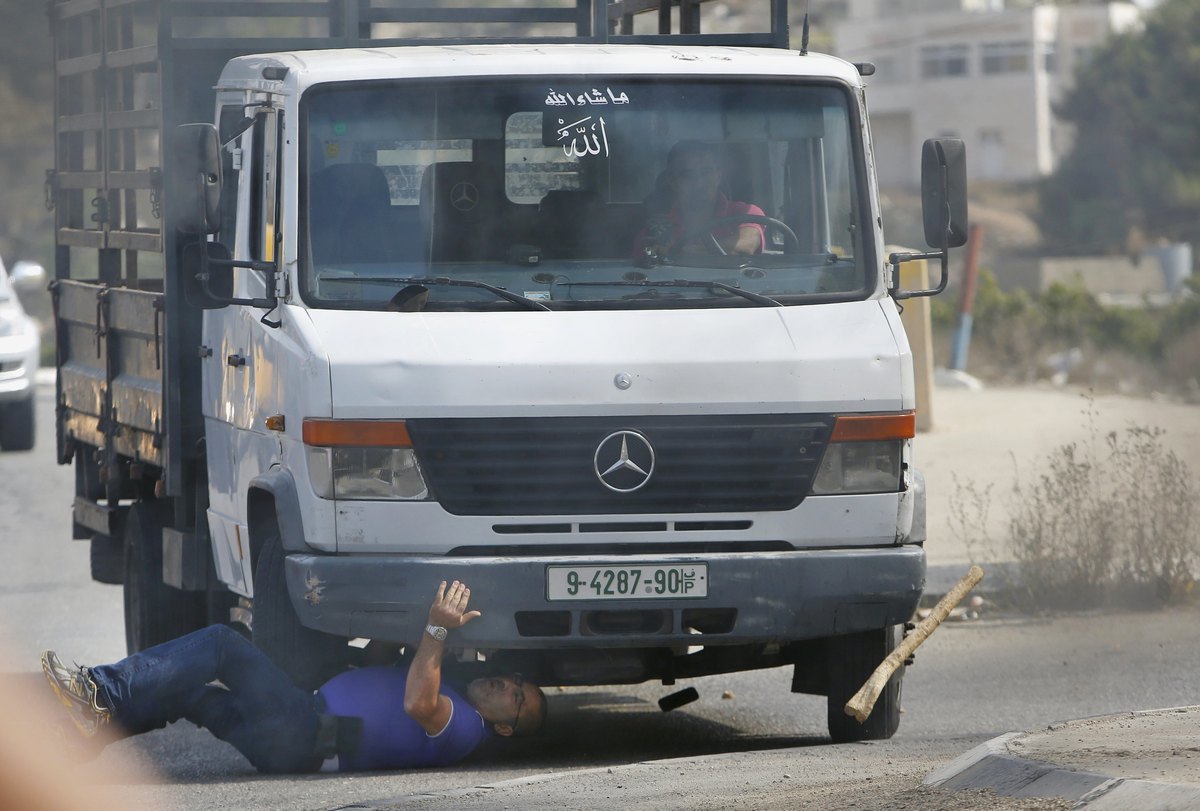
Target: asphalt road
point(747, 742)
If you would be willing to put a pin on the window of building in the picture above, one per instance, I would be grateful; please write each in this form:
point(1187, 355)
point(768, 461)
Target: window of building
point(991, 154)
point(1005, 57)
point(943, 60)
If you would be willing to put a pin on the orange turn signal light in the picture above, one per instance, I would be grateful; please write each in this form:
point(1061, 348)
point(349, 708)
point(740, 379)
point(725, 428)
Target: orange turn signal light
point(874, 427)
point(356, 433)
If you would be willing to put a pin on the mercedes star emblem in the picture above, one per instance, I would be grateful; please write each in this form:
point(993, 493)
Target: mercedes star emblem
point(464, 196)
point(624, 461)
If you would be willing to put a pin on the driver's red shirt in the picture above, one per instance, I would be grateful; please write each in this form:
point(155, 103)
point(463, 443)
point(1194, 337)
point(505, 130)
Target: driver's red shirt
point(723, 208)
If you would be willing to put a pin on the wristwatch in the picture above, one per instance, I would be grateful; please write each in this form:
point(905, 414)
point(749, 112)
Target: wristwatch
point(437, 632)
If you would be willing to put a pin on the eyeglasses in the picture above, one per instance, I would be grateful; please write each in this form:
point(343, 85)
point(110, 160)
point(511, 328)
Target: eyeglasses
point(518, 680)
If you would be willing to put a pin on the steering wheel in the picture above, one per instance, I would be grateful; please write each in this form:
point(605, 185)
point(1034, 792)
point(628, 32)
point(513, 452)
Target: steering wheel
point(706, 230)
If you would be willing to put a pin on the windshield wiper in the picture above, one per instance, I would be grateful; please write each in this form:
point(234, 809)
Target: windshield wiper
point(445, 281)
point(757, 298)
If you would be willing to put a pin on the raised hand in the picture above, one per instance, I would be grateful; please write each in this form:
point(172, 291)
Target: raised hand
point(449, 607)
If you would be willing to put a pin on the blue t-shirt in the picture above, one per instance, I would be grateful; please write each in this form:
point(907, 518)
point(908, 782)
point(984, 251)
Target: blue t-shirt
point(391, 739)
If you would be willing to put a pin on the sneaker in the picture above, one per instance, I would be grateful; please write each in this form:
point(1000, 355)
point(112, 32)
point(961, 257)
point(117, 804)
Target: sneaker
point(78, 693)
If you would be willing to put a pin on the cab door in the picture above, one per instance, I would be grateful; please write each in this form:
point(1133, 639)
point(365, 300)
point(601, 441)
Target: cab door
point(237, 445)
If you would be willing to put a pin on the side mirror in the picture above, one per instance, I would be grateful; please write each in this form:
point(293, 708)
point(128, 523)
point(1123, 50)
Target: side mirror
point(943, 207)
point(207, 275)
point(944, 192)
point(26, 275)
point(197, 169)
point(208, 270)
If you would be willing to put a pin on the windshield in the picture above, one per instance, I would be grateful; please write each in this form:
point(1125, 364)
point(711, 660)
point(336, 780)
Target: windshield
point(580, 192)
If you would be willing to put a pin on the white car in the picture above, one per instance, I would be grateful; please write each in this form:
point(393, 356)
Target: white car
point(20, 350)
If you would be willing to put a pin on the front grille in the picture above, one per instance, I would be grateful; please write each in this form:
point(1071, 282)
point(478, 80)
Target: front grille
point(646, 547)
point(527, 466)
point(622, 526)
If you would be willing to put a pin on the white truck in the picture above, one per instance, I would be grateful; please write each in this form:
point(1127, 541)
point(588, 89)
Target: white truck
point(401, 329)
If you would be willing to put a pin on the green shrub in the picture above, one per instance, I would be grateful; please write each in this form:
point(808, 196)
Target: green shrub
point(1071, 313)
point(1137, 331)
point(1014, 332)
point(1184, 315)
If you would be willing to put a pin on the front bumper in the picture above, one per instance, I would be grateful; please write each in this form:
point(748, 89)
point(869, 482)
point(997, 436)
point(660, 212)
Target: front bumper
point(18, 362)
point(762, 597)
point(16, 389)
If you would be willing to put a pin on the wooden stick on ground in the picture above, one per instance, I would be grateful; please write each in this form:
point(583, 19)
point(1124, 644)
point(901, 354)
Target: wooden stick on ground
point(863, 702)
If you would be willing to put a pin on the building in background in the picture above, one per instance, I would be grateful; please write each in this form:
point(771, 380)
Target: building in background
point(986, 71)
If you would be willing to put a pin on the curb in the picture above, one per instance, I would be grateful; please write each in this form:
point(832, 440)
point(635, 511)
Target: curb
point(992, 766)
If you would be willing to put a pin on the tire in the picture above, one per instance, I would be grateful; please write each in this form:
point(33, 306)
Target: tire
point(17, 426)
point(852, 659)
point(108, 559)
point(154, 611)
point(309, 657)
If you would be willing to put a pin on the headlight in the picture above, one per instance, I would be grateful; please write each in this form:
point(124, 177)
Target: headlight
point(342, 465)
point(864, 454)
point(380, 474)
point(859, 467)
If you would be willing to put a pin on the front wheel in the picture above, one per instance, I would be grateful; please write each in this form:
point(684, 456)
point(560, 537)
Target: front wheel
point(309, 657)
point(154, 611)
point(852, 660)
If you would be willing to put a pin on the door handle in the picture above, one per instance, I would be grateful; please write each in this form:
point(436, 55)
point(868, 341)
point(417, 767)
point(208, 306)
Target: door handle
point(236, 360)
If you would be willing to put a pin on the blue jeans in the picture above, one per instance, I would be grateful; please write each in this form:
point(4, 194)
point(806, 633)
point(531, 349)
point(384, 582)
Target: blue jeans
point(255, 707)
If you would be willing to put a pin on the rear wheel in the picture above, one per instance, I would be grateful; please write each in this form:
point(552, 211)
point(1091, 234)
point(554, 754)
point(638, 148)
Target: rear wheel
point(154, 611)
point(309, 657)
point(852, 659)
point(17, 425)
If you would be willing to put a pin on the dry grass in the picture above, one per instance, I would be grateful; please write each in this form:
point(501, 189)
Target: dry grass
point(1110, 522)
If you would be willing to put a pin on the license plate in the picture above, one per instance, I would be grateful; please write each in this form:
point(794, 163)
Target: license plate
point(627, 582)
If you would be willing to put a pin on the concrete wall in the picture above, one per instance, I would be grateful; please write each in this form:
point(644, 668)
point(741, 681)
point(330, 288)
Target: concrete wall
point(1100, 275)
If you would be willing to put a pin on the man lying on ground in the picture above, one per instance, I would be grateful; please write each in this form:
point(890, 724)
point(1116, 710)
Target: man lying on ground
point(368, 718)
